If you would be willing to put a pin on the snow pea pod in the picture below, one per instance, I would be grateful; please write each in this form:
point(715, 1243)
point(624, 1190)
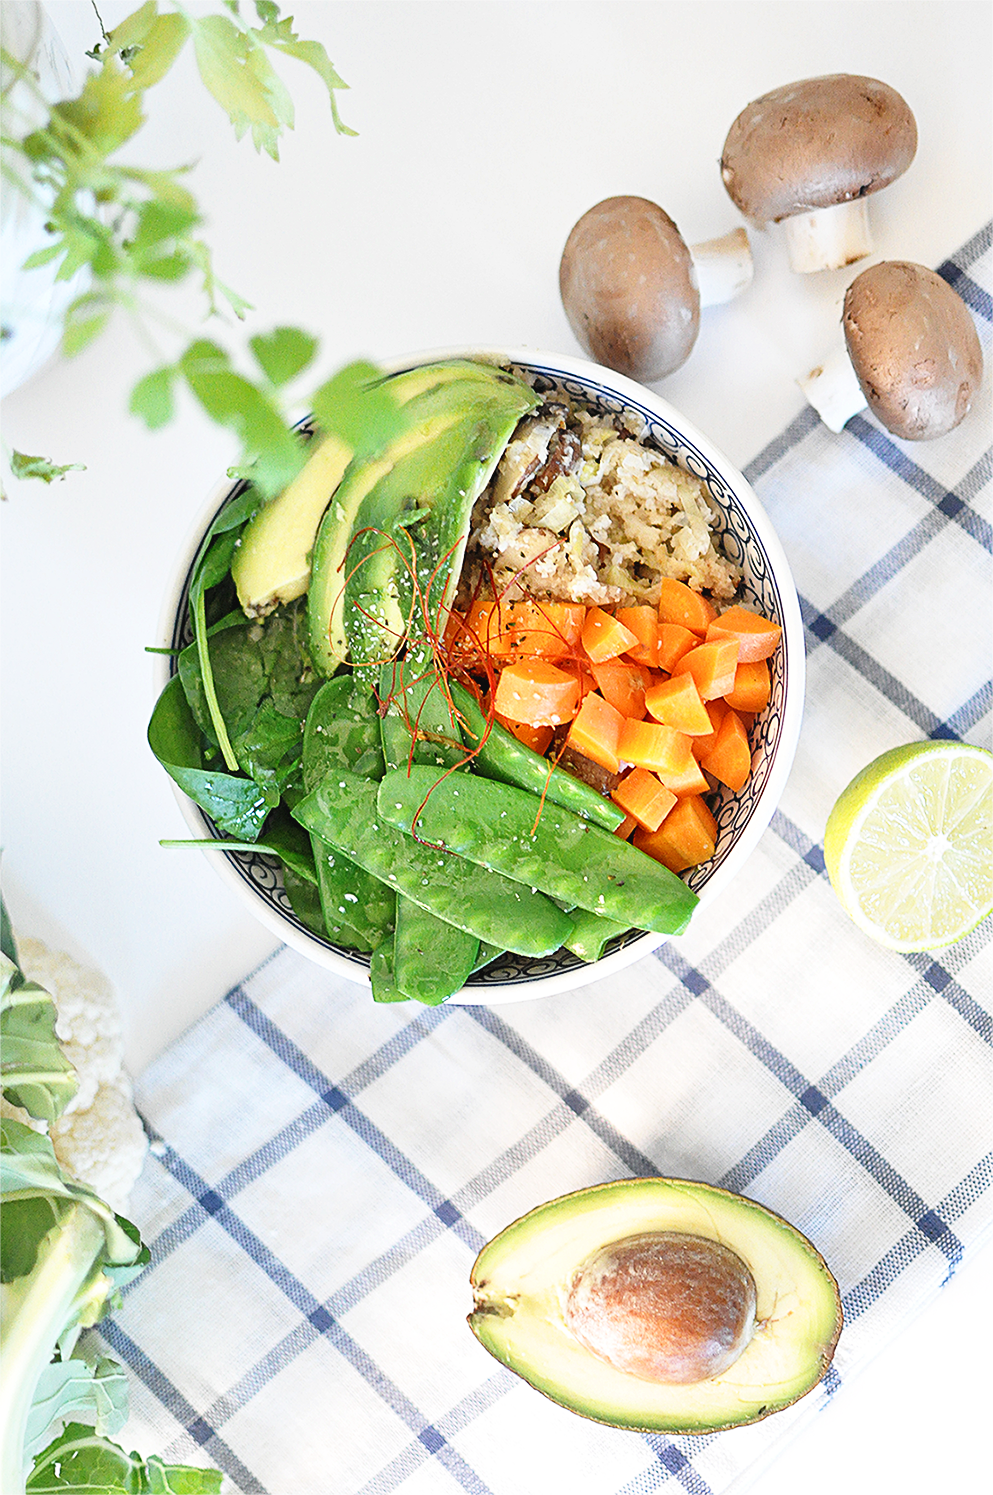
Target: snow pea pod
point(342, 731)
point(493, 825)
point(431, 958)
point(502, 757)
point(381, 977)
point(417, 724)
point(591, 934)
point(342, 810)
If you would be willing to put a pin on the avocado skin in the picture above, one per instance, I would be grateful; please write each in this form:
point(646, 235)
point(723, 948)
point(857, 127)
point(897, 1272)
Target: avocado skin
point(393, 513)
point(521, 1280)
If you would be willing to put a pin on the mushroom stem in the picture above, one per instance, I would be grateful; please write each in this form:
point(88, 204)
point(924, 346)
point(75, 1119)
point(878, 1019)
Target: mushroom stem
point(723, 267)
point(833, 390)
point(829, 237)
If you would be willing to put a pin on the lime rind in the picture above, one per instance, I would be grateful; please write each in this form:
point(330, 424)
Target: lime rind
point(909, 845)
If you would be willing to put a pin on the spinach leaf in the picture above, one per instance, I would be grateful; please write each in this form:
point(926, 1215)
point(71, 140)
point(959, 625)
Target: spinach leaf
point(238, 806)
point(263, 687)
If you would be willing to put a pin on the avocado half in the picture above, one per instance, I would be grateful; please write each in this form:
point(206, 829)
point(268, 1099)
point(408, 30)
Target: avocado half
point(534, 1284)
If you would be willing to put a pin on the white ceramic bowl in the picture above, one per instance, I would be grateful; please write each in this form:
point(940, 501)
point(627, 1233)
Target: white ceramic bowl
point(747, 538)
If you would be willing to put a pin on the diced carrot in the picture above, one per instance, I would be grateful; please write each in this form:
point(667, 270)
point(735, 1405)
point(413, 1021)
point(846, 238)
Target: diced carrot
point(712, 667)
point(505, 630)
point(490, 626)
point(687, 776)
point(536, 692)
point(757, 636)
point(730, 757)
point(686, 837)
point(627, 825)
point(677, 703)
point(678, 603)
point(537, 739)
point(580, 670)
point(643, 622)
point(596, 730)
point(642, 795)
point(651, 745)
point(549, 630)
point(715, 710)
point(674, 642)
point(623, 684)
point(752, 686)
point(603, 637)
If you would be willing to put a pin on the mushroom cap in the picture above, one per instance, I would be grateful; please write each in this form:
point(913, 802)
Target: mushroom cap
point(914, 348)
point(629, 288)
point(816, 143)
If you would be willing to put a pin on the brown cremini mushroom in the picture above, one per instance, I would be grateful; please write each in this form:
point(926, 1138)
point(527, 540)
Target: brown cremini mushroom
point(808, 155)
point(911, 354)
point(632, 288)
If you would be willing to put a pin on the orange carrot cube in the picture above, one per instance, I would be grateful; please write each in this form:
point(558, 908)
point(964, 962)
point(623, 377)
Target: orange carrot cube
point(677, 703)
point(686, 837)
point(674, 642)
point(712, 667)
point(603, 637)
point(549, 630)
point(730, 757)
point(489, 625)
point(623, 683)
point(678, 603)
point(757, 636)
point(687, 777)
point(536, 692)
point(643, 622)
point(715, 711)
point(642, 795)
point(595, 731)
point(651, 745)
point(752, 686)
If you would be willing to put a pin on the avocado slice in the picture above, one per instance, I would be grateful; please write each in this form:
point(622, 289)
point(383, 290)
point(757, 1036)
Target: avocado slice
point(564, 1287)
point(415, 496)
point(272, 562)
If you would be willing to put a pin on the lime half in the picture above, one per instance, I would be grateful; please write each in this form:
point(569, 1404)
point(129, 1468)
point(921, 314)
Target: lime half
point(909, 844)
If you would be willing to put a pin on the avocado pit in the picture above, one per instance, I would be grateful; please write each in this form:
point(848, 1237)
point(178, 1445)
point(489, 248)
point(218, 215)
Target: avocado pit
point(664, 1305)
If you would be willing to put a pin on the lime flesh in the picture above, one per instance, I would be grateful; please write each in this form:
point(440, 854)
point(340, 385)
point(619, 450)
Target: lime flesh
point(909, 845)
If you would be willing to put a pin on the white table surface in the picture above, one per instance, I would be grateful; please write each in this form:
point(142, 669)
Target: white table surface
point(485, 130)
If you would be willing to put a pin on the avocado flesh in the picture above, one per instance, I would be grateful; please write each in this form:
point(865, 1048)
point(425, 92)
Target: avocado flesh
point(419, 490)
point(521, 1281)
point(272, 562)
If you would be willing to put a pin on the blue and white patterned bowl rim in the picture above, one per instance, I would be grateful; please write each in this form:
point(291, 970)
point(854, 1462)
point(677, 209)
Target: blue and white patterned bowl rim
point(748, 540)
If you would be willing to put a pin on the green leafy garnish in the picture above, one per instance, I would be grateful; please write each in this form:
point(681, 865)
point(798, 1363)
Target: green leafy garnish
point(129, 228)
point(36, 1074)
point(81, 1459)
point(23, 466)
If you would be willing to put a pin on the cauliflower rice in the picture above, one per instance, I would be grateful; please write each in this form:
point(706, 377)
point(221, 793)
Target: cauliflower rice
point(580, 510)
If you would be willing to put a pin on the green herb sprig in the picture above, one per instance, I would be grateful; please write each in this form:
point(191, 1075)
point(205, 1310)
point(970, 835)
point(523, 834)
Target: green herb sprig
point(130, 228)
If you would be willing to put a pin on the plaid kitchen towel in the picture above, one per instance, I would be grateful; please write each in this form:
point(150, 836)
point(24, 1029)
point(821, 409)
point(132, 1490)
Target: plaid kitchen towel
point(325, 1171)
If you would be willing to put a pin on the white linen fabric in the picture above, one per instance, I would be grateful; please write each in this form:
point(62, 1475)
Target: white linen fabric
point(325, 1171)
